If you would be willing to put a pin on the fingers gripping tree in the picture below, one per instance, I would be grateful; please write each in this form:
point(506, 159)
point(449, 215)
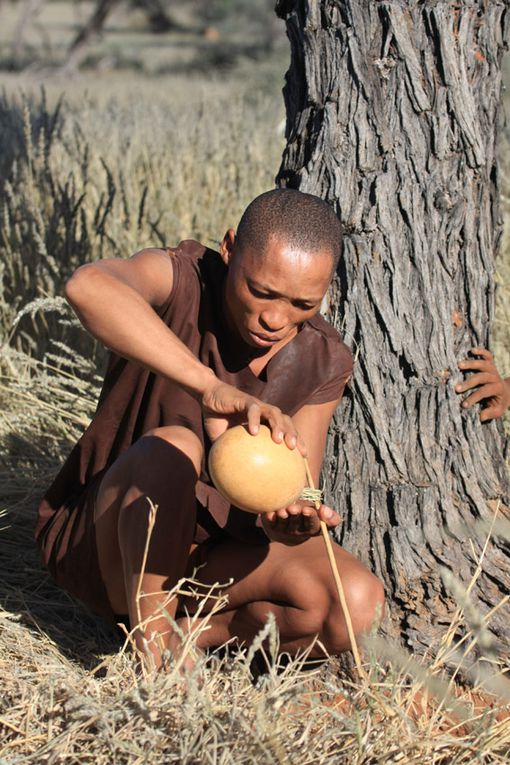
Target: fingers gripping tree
point(392, 109)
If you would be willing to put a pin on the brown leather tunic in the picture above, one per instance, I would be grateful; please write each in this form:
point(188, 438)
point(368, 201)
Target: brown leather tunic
point(311, 369)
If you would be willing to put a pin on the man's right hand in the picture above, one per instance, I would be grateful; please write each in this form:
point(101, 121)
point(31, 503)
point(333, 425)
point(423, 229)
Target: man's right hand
point(224, 406)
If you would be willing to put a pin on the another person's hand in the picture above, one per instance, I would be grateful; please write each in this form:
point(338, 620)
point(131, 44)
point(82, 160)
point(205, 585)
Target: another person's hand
point(224, 406)
point(487, 383)
point(298, 522)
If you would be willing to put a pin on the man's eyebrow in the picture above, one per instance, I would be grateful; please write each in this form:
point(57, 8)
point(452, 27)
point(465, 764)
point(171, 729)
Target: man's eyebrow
point(262, 287)
point(270, 291)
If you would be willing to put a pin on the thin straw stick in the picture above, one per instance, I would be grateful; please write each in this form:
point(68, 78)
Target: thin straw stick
point(338, 581)
point(153, 509)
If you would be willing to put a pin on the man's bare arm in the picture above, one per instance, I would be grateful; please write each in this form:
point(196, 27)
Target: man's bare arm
point(115, 301)
point(312, 422)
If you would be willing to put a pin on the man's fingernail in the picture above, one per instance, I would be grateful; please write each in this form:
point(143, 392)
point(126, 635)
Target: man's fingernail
point(328, 512)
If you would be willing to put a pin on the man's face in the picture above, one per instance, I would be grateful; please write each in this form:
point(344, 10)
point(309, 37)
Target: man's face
point(268, 295)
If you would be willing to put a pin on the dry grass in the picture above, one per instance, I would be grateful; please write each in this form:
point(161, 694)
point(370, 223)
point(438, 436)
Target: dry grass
point(70, 695)
point(78, 190)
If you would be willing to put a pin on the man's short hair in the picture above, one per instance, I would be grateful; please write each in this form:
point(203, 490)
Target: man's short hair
point(305, 221)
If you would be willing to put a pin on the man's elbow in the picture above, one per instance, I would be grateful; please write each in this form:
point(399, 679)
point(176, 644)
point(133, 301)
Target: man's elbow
point(81, 285)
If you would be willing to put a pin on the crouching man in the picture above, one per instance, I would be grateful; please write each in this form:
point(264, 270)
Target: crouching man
point(202, 340)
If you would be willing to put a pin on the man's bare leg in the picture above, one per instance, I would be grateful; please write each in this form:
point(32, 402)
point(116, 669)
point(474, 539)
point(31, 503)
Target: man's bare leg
point(162, 465)
point(296, 585)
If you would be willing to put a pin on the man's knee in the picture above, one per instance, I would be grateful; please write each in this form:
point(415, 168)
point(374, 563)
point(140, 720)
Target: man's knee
point(180, 438)
point(364, 594)
point(316, 603)
point(309, 601)
point(154, 467)
point(169, 454)
point(158, 473)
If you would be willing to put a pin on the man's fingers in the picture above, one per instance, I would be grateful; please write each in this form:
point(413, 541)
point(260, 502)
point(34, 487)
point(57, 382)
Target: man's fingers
point(484, 392)
point(291, 434)
point(275, 424)
point(254, 413)
point(295, 517)
point(236, 406)
point(491, 412)
point(297, 525)
point(329, 516)
point(301, 446)
point(291, 440)
point(282, 427)
point(479, 351)
point(481, 365)
point(300, 521)
point(480, 378)
point(309, 513)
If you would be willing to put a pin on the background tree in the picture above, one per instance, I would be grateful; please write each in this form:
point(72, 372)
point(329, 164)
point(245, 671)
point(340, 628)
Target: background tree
point(155, 10)
point(392, 110)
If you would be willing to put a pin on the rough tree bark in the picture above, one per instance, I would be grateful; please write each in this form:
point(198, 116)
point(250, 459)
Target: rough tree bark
point(392, 110)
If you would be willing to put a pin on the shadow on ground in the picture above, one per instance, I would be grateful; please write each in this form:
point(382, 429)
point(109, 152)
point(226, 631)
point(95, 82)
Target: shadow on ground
point(26, 589)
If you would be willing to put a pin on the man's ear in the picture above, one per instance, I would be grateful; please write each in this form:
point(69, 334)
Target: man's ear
point(227, 246)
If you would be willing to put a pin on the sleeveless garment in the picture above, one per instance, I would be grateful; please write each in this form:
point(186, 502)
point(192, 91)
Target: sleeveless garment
point(311, 369)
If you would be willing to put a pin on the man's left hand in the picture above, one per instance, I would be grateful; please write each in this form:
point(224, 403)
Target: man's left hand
point(298, 522)
point(486, 383)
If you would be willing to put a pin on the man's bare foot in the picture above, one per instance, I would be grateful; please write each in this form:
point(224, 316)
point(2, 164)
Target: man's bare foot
point(167, 651)
point(184, 654)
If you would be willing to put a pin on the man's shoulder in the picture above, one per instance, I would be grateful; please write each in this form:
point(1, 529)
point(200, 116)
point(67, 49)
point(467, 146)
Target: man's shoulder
point(197, 274)
point(329, 360)
point(192, 257)
point(331, 339)
point(188, 248)
point(192, 250)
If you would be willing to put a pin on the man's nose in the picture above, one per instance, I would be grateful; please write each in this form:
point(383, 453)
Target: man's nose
point(273, 319)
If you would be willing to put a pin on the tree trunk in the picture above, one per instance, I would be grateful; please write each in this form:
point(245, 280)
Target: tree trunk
point(29, 10)
point(158, 19)
point(93, 27)
point(392, 110)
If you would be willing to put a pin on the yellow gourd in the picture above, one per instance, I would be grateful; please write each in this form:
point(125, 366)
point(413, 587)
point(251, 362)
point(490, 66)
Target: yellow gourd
point(254, 472)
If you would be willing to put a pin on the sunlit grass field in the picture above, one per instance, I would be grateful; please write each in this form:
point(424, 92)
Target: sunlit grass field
point(122, 160)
